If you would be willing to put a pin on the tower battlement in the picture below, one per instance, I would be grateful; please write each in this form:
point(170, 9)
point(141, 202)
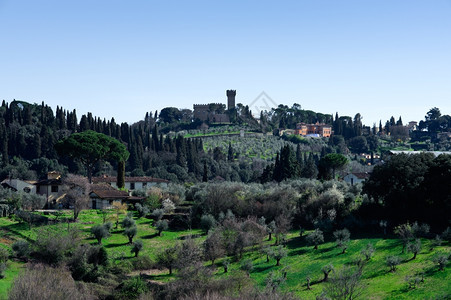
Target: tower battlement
point(230, 99)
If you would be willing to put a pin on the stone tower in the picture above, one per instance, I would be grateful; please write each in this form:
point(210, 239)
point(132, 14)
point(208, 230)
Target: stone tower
point(231, 99)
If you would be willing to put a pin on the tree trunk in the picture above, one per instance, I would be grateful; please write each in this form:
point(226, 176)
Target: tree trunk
point(89, 174)
point(278, 261)
point(316, 247)
point(170, 270)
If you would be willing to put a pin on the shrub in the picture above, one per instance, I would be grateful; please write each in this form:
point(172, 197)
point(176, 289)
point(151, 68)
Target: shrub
point(168, 205)
point(2, 270)
point(52, 246)
point(142, 262)
point(161, 225)
point(4, 255)
point(137, 246)
point(21, 248)
point(133, 288)
point(42, 282)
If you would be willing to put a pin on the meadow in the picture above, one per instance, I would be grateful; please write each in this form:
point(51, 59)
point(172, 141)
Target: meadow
point(302, 261)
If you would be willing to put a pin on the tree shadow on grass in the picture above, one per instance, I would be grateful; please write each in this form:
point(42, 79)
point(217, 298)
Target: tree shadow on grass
point(262, 268)
point(381, 272)
point(150, 236)
point(112, 245)
point(324, 250)
point(296, 243)
point(16, 228)
point(298, 252)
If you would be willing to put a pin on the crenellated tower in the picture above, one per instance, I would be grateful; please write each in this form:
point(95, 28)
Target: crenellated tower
point(231, 99)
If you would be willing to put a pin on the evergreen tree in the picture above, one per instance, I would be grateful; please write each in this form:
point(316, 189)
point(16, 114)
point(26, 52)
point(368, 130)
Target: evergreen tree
point(205, 174)
point(230, 153)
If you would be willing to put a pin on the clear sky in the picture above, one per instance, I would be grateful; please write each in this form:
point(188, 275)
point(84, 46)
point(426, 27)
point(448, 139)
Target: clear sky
point(122, 58)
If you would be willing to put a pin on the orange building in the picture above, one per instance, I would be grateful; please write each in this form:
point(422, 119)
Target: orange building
point(318, 130)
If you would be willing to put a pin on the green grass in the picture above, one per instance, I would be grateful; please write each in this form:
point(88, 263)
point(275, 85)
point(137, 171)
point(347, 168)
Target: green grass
point(13, 269)
point(302, 260)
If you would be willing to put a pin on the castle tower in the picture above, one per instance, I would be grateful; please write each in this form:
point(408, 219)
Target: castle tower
point(231, 99)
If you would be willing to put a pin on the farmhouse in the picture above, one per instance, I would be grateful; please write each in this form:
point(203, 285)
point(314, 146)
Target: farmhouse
point(51, 187)
point(354, 178)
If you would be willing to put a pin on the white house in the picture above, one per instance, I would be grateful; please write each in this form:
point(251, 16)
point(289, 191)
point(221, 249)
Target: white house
point(133, 183)
point(354, 178)
point(52, 188)
point(18, 185)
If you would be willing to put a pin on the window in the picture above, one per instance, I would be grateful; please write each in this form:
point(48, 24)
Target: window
point(54, 189)
point(144, 184)
point(38, 189)
point(132, 185)
point(26, 189)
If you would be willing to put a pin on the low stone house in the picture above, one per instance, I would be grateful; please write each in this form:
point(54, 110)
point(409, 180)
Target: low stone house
point(354, 178)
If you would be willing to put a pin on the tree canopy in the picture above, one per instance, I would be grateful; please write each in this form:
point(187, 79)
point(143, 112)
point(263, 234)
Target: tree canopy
point(89, 147)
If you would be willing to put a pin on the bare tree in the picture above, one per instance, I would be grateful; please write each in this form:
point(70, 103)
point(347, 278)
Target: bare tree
point(345, 284)
point(77, 193)
point(213, 247)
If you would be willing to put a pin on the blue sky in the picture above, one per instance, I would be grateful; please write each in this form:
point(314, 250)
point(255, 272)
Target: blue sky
point(122, 58)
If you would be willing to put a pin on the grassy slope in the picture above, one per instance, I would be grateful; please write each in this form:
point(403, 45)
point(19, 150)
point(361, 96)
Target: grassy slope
point(302, 260)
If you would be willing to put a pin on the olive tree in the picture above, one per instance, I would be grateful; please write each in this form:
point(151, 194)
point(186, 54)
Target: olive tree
point(342, 238)
point(315, 238)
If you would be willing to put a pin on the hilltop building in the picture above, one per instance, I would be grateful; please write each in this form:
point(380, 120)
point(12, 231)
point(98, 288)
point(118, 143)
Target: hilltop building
point(215, 112)
point(313, 130)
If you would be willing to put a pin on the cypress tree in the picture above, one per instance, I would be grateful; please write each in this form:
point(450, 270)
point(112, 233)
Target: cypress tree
point(230, 152)
point(120, 174)
point(205, 174)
